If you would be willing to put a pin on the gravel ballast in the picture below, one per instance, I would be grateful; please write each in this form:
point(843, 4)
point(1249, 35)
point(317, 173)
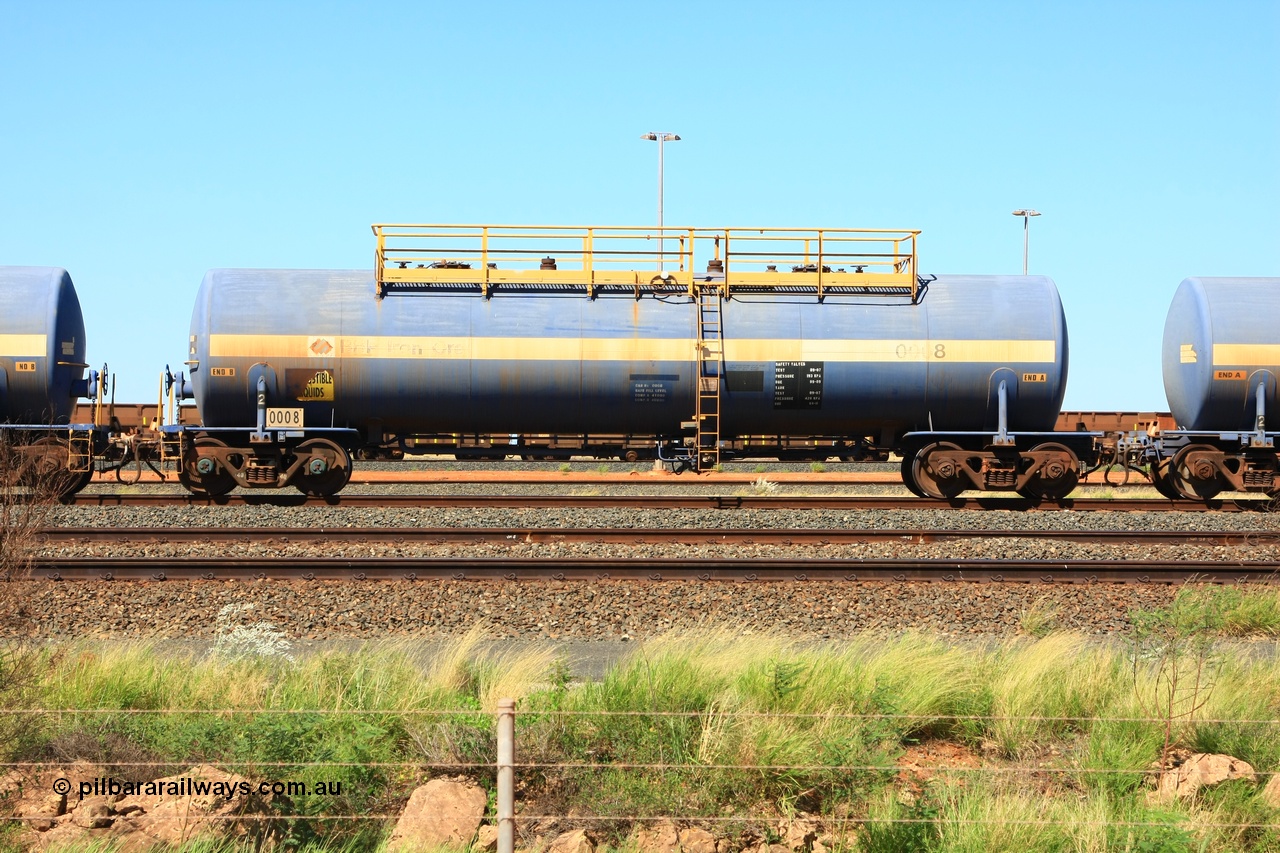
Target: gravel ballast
point(589, 611)
point(614, 610)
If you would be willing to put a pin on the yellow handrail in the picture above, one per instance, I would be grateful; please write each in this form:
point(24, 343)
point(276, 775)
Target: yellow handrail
point(592, 256)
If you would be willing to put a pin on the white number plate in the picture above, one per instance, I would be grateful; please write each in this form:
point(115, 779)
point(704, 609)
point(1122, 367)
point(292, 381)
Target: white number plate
point(284, 418)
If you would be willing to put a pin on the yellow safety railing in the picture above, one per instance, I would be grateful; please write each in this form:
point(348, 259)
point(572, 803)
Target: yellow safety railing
point(736, 259)
point(490, 255)
point(824, 259)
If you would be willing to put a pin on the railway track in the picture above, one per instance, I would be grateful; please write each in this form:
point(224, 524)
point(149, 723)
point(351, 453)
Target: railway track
point(799, 502)
point(653, 570)
point(695, 568)
point(629, 536)
point(615, 478)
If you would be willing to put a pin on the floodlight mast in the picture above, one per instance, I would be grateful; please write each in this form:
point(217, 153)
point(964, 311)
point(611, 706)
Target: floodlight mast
point(1026, 213)
point(660, 137)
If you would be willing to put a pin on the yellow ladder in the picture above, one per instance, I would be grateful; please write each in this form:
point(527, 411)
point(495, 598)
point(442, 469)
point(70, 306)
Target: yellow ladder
point(710, 370)
point(79, 451)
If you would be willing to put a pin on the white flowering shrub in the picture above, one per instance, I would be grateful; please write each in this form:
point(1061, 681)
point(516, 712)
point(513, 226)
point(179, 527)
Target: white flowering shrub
point(237, 638)
point(761, 486)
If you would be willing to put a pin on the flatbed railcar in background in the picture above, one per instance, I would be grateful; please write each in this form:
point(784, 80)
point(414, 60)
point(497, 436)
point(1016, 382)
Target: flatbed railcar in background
point(134, 417)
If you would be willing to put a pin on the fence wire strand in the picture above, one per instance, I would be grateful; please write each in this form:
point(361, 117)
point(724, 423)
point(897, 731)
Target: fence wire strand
point(712, 819)
point(533, 715)
point(471, 712)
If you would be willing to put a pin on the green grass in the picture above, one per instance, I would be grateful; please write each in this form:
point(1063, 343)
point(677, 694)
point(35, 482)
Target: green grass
point(351, 717)
point(1046, 720)
point(1249, 612)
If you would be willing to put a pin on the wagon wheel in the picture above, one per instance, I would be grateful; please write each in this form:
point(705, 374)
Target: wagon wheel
point(1196, 482)
point(204, 475)
point(942, 484)
point(1162, 480)
point(908, 478)
point(77, 484)
point(46, 472)
point(1053, 481)
point(323, 474)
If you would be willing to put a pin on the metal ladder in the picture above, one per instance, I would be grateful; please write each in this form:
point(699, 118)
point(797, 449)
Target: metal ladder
point(710, 369)
point(79, 451)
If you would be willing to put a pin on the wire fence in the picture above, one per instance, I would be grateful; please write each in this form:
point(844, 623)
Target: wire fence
point(854, 796)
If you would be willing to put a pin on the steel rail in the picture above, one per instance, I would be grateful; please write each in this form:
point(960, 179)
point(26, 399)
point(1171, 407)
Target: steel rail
point(664, 569)
point(594, 478)
point(631, 535)
point(850, 502)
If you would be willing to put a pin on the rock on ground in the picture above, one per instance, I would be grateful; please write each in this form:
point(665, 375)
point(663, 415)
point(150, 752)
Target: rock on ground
point(1198, 771)
point(441, 813)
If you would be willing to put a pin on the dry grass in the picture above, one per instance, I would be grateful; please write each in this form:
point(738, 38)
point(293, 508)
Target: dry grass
point(25, 508)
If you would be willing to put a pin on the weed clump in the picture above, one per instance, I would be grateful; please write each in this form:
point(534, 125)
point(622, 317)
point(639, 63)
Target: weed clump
point(761, 486)
point(238, 638)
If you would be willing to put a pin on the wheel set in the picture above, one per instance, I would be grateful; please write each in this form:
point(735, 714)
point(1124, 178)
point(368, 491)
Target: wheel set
point(317, 466)
point(943, 470)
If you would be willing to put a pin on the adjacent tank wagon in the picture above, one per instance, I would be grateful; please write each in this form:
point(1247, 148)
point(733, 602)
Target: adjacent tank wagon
point(42, 346)
point(793, 332)
point(42, 375)
point(1221, 357)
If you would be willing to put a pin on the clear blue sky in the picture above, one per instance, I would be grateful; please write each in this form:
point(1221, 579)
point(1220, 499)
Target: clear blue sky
point(142, 144)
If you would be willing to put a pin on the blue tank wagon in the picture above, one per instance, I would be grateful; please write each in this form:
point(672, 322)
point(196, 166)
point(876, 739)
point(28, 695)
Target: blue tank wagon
point(42, 375)
point(789, 333)
point(1221, 357)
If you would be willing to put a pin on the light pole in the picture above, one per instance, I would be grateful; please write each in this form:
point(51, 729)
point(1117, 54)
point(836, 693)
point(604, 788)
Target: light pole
point(660, 137)
point(1026, 213)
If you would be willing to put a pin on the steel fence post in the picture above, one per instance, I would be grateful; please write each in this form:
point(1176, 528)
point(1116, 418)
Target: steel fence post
point(506, 775)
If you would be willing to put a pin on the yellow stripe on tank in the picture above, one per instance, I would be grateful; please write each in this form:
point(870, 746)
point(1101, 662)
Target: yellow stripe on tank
point(24, 346)
point(480, 349)
point(1248, 354)
point(628, 349)
point(965, 351)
